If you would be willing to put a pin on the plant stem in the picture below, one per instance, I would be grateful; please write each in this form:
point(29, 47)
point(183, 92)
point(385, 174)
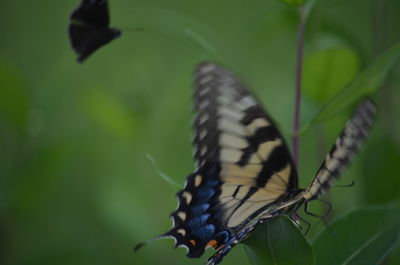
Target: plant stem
point(299, 70)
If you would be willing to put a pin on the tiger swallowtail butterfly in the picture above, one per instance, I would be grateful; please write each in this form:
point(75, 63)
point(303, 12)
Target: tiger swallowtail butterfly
point(89, 28)
point(245, 174)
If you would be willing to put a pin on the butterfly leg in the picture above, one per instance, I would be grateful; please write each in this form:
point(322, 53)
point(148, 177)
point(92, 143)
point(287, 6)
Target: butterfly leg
point(219, 256)
point(296, 216)
point(321, 217)
point(328, 209)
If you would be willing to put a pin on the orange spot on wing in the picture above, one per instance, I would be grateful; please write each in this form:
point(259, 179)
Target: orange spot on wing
point(212, 243)
point(193, 242)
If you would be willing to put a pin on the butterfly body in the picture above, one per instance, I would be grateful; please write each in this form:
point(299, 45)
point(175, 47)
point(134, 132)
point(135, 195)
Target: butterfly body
point(245, 174)
point(89, 28)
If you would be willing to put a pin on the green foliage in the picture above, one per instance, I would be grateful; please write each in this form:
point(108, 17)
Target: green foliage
point(361, 237)
point(278, 242)
point(379, 178)
point(327, 71)
point(366, 83)
point(75, 184)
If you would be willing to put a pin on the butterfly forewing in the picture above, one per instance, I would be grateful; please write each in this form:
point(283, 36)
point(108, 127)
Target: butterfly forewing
point(233, 130)
point(243, 164)
point(344, 150)
point(93, 13)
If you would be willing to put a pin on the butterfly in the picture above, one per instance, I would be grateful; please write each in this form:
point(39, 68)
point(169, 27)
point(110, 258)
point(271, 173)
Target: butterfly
point(245, 174)
point(89, 28)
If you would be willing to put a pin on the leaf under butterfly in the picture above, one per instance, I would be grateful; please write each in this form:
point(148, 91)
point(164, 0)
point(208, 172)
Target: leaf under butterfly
point(360, 237)
point(278, 242)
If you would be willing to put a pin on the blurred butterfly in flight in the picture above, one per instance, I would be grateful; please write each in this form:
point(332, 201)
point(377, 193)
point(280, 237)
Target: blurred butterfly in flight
point(244, 172)
point(89, 28)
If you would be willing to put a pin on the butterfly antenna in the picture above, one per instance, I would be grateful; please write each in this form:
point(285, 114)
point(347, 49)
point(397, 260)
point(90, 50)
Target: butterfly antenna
point(345, 185)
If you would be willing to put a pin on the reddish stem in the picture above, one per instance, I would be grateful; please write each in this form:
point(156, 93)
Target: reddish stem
point(299, 71)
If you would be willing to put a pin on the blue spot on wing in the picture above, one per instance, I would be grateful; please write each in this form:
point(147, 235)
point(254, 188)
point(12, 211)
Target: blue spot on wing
point(204, 194)
point(212, 183)
point(205, 232)
point(198, 222)
point(199, 209)
point(222, 236)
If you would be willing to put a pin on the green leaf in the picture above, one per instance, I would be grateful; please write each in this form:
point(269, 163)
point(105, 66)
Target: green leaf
point(278, 242)
point(381, 159)
point(366, 83)
point(295, 3)
point(394, 257)
point(327, 71)
point(360, 237)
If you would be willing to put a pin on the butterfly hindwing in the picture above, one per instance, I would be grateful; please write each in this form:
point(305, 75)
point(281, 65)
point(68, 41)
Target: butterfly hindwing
point(232, 128)
point(89, 28)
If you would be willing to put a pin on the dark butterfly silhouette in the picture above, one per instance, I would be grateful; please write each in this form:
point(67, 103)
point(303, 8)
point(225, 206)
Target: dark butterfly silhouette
point(89, 28)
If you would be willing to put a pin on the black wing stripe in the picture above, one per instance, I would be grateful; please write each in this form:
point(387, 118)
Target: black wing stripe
point(344, 149)
point(254, 200)
point(222, 101)
point(251, 199)
point(273, 164)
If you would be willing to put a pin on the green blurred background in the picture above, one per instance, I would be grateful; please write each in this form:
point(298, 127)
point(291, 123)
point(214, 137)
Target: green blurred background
point(76, 186)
